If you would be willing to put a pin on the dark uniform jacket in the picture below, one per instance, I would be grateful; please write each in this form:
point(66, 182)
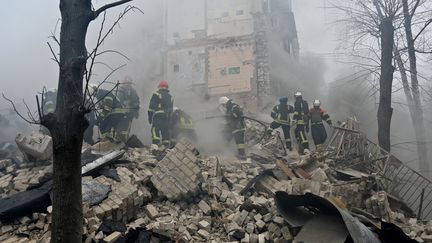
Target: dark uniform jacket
point(301, 112)
point(161, 105)
point(281, 113)
point(234, 114)
point(182, 120)
point(109, 105)
point(130, 100)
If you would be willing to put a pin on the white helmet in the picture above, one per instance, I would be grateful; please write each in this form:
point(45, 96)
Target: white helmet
point(317, 103)
point(175, 108)
point(223, 100)
point(298, 94)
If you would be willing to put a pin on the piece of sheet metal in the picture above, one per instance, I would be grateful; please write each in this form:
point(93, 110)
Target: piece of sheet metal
point(297, 211)
point(323, 229)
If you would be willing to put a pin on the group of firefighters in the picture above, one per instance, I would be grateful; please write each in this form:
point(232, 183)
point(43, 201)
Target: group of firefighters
point(162, 113)
point(116, 110)
point(111, 110)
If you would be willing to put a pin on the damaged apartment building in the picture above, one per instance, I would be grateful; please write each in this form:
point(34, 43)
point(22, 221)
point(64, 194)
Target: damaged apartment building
point(220, 47)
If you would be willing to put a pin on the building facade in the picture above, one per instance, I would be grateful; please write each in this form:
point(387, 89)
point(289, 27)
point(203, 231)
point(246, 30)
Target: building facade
point(220, 47)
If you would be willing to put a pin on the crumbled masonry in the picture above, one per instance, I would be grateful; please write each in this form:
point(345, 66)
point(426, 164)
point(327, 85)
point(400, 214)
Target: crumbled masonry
point(187, 197)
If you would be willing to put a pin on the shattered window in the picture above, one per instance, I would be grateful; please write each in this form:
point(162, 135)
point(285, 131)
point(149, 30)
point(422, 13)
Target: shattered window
point(176, 68)
point(234, 70)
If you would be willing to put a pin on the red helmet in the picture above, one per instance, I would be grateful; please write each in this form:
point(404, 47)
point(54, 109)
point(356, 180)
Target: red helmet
point(163, 84)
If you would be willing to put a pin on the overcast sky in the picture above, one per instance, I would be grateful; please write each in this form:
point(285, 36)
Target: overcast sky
point(25, 26)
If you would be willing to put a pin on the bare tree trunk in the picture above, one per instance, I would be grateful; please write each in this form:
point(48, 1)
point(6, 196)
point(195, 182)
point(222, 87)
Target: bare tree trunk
point(385, 111)
point(418, 121)
point(68, 124)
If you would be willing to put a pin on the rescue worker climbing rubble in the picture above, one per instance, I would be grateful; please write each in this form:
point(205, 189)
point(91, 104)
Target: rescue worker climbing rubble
point(281, 118)
point(111, 115)
point(48, 106)
point(317, 115)
point(159, 115)
point(235, 126)
point(92, 115)
point(129, 99)
point(182, 126)
point(301, 121)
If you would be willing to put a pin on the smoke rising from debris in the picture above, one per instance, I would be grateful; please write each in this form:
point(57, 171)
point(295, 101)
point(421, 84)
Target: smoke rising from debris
point(26, 66)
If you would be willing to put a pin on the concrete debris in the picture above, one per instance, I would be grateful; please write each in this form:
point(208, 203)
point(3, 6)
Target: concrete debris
point(192, 198)
point(94, 193)
point(176, 176)
point(36, 146)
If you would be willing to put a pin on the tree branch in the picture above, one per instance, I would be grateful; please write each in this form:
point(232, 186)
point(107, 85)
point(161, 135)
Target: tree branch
point(96, 13)
point(422, 29)
point(54, 55)
point(17, 112)
point(414, 9)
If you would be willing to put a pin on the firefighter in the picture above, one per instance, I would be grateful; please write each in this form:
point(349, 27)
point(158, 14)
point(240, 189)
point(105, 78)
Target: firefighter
point(159, 113)
point(301, 121)
point(50, 100)
point(129, 99)
point(92, 118)
point(111, 114)
point(182, 126)
point(281, 118)
point(48, 106)
point(235, 126)
point(317, 115)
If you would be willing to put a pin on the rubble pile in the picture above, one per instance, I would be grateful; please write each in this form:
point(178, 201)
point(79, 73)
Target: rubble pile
point(16, 179)
point(186, 197)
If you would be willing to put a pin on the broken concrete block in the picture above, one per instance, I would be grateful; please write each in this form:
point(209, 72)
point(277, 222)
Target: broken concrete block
point(242, 217)
point(286, 233)
point(260, 225)
point(253, 238)
point(151, 211)
point(262, 237)
point(177, 178)
point(35, 146)
point(266, 218)
point(25, 220)
point(192, 228)
point(6, 229)
point(246, 239)
point(205, 208)
point(258, 217)
point(40, 224)
point(204, 234)
point(319, 175)
point(278, 220)
point(250, 227)
point(203, 224)
point(112, 237)
point(232, 226)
